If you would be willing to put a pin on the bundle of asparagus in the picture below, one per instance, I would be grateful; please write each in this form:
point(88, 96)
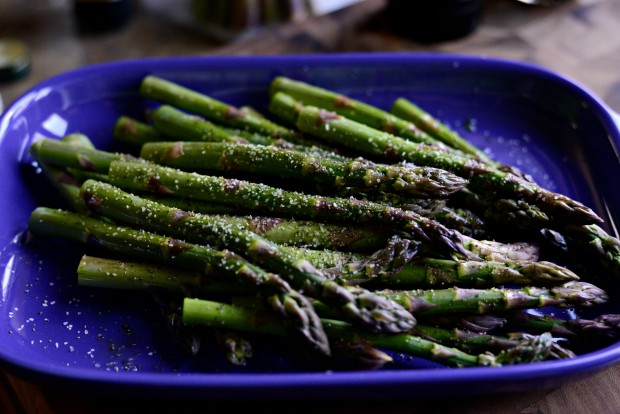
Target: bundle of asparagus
point(352, 230)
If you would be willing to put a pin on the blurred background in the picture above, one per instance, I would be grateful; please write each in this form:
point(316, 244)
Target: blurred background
point(577, 38)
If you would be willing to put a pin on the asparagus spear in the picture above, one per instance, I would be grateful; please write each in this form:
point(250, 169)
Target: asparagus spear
point(289, 304)
point(285, 231)
point(209, 313)
point(163, 180)
point(131, 275)
point(597, 243)
point(315, 234)
point(174, 94)
point(69, 156)
point(342, 131)
point(359, 305)
point(181, 126)
point(470, 322)
point(285, 107)
point(176, 125)
point(78, 139)
point(290, 164)
point(459, 300)
point(359, 111)
point(422, 302)
point(473, 342)
point(428, 207)
point(461, 219)
point(502, 252)
point(134, 133)
point(465, 221)
point(431, 272)
point(602, 329)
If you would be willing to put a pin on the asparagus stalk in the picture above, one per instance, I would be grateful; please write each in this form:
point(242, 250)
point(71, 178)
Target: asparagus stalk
point(289, 304)
point(285, 107)
point(602, 329)
point(134, 133)
point(110, 273)
point(359, 305)
point(465, 221)
point(431, 272)
point(176, 125)
point(356, 354)
point(181, 126)
point(290, 164)
point(428, 207)
point(315, 234)
point(342, 131)
point(285, 231)
point(359, 111)
point(163, 180)
point(508, 214)
point(595, 242)
point(473, 342)
point(123, 274)
point(174, 94)
point(470, 322)
point(209, 313)
point(69, 156)
point(459, 300)
point(78, 140)
point(502, 252)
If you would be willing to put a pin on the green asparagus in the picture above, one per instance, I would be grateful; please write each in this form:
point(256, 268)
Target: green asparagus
point(133, 133)
point(603, 329)
point(292, 306)
point(174, 94)
point(209, 313)
point(459, 300)
point(134, 176)
point(357, 304)
point(421, 302)
point(342, 131)
point(291, 164)
point(359, 111)
point(472, 342)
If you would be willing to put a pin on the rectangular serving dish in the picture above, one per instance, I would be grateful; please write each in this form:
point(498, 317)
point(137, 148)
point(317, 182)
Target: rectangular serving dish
point(102, 341)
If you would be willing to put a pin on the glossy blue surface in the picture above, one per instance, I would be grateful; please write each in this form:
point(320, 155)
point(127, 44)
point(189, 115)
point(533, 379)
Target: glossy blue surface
point(104, 341)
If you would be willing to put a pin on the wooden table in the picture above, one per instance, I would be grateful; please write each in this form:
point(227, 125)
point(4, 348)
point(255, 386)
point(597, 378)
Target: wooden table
point(580, 39)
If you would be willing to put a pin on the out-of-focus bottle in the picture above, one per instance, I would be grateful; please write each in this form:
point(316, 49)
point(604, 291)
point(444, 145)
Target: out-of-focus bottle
point(434, 20)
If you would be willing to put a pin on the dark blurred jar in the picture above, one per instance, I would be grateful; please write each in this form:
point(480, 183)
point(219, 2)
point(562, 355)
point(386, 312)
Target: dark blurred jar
point(102, 15)
point(434, 20)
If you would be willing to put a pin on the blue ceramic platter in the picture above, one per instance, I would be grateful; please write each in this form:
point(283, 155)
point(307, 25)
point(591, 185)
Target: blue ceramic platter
point(54, 331)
